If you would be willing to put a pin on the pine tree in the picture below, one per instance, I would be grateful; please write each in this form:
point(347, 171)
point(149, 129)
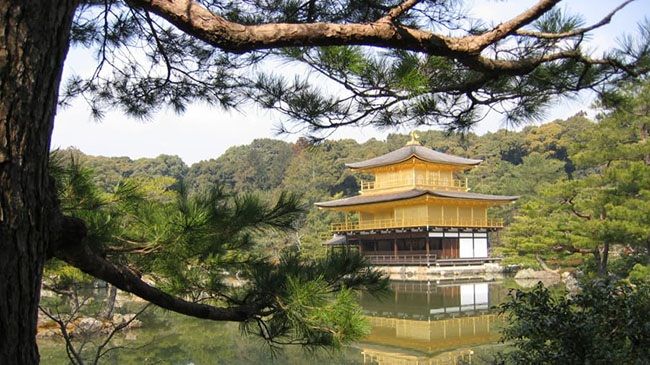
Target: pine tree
point(606, 204)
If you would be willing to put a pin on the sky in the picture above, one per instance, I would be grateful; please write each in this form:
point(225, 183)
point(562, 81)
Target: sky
point(205, 132)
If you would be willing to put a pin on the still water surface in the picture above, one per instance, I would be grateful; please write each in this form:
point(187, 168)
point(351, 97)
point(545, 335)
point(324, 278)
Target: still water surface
point(419, 323)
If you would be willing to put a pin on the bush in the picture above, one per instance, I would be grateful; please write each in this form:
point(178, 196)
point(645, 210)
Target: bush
point(608, 322)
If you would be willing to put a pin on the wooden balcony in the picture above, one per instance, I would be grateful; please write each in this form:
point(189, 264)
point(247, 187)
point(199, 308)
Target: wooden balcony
point(416, 222)
point(420, 182)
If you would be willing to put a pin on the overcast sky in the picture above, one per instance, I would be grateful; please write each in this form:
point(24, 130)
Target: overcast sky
point(205, 132)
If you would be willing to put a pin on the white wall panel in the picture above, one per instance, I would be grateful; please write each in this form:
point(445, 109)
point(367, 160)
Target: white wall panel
point(480, 247)
point(466, 248)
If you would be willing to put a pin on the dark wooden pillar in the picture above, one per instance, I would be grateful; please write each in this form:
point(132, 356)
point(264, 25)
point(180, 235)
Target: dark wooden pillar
point(395, 247)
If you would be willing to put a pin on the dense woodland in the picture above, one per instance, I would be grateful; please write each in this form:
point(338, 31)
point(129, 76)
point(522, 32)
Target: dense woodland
point(515, 163)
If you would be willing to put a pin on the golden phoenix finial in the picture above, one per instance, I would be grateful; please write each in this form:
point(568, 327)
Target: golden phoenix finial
point(414, 139)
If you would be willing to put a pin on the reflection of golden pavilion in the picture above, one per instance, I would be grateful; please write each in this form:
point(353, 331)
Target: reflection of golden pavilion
point(381, 357)
point(430, 324)
point(433, 337)
point(416, 210)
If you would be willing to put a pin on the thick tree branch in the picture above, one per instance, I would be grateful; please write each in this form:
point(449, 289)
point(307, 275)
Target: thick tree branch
point(196, 20)
point(480, 42)
point(76, 253)
point(573, 249)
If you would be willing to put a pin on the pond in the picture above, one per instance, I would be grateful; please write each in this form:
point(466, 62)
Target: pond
point(418, 323)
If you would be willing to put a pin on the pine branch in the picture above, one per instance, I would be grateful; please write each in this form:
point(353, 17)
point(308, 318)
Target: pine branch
point(79, 255)
point(400, 9)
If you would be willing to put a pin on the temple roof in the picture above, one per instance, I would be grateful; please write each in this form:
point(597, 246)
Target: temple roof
point(406, 152)
point(335, 240)
point(410, 194)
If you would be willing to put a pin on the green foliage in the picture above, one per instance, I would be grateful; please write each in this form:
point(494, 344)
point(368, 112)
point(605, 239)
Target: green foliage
point(189, 245)
point(533, 232)
point(318, 306)
point(640, 274)
point(607, 322)
point(605, 204)
point(533, 174)
point(109, 171)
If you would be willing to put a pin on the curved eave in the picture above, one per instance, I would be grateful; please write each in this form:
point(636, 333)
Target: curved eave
point(361, 200)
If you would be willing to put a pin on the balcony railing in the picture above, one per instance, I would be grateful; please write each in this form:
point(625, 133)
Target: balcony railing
point(421, 181)
point(416, 222)
point(401, 259)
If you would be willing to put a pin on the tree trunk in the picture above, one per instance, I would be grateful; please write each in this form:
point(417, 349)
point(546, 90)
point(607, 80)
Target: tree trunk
point(33, 43)
point(596, 252)
point(644, 138)
point(603, 263)
point(110, 302)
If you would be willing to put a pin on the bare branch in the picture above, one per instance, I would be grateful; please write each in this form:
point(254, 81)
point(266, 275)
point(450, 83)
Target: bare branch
point(72, 353)
point(115, 330)
point(67, 293)
point(577, 213)
point(606, 20)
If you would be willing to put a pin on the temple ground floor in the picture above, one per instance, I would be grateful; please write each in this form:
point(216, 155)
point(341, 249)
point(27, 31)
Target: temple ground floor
point(421, 246)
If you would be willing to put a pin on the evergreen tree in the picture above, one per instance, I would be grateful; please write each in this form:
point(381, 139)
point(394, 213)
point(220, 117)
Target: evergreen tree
point(606, 203)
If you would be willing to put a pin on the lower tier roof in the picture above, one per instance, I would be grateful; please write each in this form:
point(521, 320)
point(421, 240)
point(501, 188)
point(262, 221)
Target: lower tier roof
point(410, 194)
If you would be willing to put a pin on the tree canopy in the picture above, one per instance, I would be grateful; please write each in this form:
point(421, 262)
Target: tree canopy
point(386, 62)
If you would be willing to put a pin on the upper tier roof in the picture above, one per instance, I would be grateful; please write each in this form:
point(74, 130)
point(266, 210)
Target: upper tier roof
point(407, 152)
point(410, 194)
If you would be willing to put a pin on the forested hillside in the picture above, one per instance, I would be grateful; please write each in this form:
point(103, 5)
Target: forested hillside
point(515, 163)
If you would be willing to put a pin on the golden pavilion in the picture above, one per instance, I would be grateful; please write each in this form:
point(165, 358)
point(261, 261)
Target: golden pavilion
point(416, 211)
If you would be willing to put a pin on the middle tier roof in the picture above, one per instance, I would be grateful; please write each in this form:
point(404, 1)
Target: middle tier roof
point(411, 194)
